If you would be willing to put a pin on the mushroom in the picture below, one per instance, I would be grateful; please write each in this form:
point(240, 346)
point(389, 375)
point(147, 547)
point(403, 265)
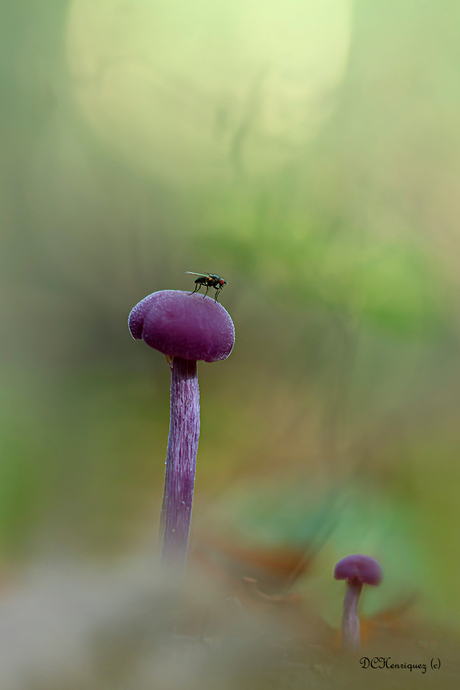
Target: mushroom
point(356, 570)
point(185, 328)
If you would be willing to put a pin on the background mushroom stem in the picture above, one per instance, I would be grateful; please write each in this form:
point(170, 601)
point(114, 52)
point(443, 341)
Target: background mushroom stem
point(351, 637)
point(184, 432)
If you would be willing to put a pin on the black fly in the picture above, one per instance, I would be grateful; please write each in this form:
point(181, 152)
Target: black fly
point(209, 280)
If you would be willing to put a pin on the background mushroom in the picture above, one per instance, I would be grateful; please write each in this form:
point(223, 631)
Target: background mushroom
point(185, 328)
point(356, 570)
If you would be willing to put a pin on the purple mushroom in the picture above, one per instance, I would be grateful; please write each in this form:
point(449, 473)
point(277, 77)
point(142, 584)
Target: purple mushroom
point(356, 570)
point(185, 328)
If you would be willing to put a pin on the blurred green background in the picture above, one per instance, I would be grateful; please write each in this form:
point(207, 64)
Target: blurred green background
point(309, 152)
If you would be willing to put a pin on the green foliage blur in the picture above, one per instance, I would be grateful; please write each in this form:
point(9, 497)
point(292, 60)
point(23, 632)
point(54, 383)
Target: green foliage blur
point(308, 152)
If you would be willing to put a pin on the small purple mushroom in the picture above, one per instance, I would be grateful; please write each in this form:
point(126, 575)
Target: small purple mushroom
point(185, 328)
point(356, 570)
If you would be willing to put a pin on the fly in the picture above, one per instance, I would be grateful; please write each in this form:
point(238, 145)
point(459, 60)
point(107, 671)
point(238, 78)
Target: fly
point(208, 280)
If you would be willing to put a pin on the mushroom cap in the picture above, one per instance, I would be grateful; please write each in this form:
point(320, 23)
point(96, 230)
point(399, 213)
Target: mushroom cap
point(183, 325)
point(362, 568)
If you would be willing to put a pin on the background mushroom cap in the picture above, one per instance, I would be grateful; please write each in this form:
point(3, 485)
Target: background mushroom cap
point(183, 325)
point(362, 568)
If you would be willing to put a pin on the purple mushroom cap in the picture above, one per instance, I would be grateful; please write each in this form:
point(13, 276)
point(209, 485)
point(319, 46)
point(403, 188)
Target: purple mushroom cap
point(183, 325)
point(364, 569)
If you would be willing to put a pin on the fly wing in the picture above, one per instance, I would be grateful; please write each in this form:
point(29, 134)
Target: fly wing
point(203, 275)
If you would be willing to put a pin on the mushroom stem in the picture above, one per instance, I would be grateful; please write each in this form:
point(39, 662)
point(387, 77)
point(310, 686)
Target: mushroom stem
point(184, 432)
point(351, 638)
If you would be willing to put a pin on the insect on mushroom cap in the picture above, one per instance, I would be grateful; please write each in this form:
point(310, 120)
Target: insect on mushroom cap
point(364, 569)
point(183, 325)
